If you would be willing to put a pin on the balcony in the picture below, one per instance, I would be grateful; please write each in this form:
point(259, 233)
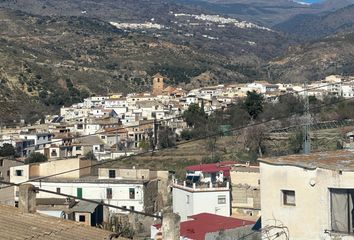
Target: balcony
point(201, 187)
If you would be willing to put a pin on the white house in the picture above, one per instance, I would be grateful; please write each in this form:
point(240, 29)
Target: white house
point(348, 90)
point(40, 139)
point(211, 172)
point(135, 189)
point(191, 200)
point(308, 196)
point(124, 193)
point(258, 86)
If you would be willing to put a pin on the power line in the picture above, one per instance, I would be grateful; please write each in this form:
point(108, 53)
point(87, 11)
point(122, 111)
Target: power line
point(163, 120)
point(109, 131)
point(86, 200)
point(186, 142)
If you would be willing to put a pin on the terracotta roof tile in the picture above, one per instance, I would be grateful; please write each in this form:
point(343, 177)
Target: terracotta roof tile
point(17, 225)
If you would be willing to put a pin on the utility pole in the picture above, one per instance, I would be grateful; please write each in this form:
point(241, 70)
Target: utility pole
point(156, 126)
point(117, 147)
point(307, 137)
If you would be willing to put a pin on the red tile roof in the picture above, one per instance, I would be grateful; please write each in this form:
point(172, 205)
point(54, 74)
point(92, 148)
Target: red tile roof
point(204, 223)
point(212, 167)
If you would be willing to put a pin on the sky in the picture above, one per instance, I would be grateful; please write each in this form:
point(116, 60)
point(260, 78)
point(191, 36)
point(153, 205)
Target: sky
point(311, 1)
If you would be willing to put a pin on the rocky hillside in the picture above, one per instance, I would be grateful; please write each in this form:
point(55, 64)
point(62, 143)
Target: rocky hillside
point(266, 12)
point(316, 26)
point(108, 10)
point(314, 61)
point(50, 61)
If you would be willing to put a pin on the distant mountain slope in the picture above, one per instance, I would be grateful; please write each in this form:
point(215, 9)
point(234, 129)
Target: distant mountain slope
point(50, 61)
point(315, 60)
point(108, 10)
point(266, 12)
point(312, 26)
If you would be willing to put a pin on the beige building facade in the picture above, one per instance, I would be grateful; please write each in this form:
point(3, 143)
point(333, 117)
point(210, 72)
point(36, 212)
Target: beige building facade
point(245, 190)
point(308, 196)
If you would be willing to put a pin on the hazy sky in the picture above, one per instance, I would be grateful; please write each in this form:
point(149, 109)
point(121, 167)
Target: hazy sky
point(311, 1)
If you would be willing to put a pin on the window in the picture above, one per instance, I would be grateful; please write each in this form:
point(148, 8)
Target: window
point(125, 207)
point(132, 208)
point(342, 202)
point(78, 148)
point(187, 199)
point(131, 193)
point(222, 199)
point(58, 189)
point(82, 218)
point(79, 192)
point(19, 173)
point(54, 153)
point(8, 173)
point(109, 193)
point(288, 197)
point(1, 162)
point(112, 173)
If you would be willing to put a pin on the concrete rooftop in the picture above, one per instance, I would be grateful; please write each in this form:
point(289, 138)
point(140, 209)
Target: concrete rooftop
point(335, 160)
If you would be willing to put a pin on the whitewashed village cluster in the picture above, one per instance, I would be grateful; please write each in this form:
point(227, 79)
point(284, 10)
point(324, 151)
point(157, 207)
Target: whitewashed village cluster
point(291, 197)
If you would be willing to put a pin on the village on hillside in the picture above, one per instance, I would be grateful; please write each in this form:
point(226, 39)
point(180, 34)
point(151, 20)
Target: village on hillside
point(57, 168)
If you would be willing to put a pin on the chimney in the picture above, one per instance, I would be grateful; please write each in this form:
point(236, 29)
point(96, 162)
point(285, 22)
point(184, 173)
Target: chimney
point(27, 198)
point(170, 225)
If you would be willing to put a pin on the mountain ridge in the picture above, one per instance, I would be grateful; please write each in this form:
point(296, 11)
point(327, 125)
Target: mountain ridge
point(316, 26)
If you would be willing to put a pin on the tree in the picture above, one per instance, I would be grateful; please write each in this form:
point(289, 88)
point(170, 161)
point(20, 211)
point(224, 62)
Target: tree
point(144, 144)
point(7, 150)
point(194, 115)
point(167, 138)
point(90, 156)
point(254, 140)
point(186, 134)
point(254, 104)
point(36, 157)
point(296, 141)
point(238, 116)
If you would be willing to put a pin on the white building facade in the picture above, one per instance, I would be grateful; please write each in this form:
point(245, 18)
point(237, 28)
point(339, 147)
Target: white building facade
point(123, 193)
point(188, 201)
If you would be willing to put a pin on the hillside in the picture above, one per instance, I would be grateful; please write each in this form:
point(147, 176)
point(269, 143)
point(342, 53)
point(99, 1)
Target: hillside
point(315, 60)
point(108, 10)
point(49, 61)
point(266, 12)
point(316, 26)
point(263, 12)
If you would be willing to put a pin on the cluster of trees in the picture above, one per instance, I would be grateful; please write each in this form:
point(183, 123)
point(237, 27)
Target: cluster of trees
point(286, 111)
point(7, 150)
point(59, 97)
point(36, 157)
